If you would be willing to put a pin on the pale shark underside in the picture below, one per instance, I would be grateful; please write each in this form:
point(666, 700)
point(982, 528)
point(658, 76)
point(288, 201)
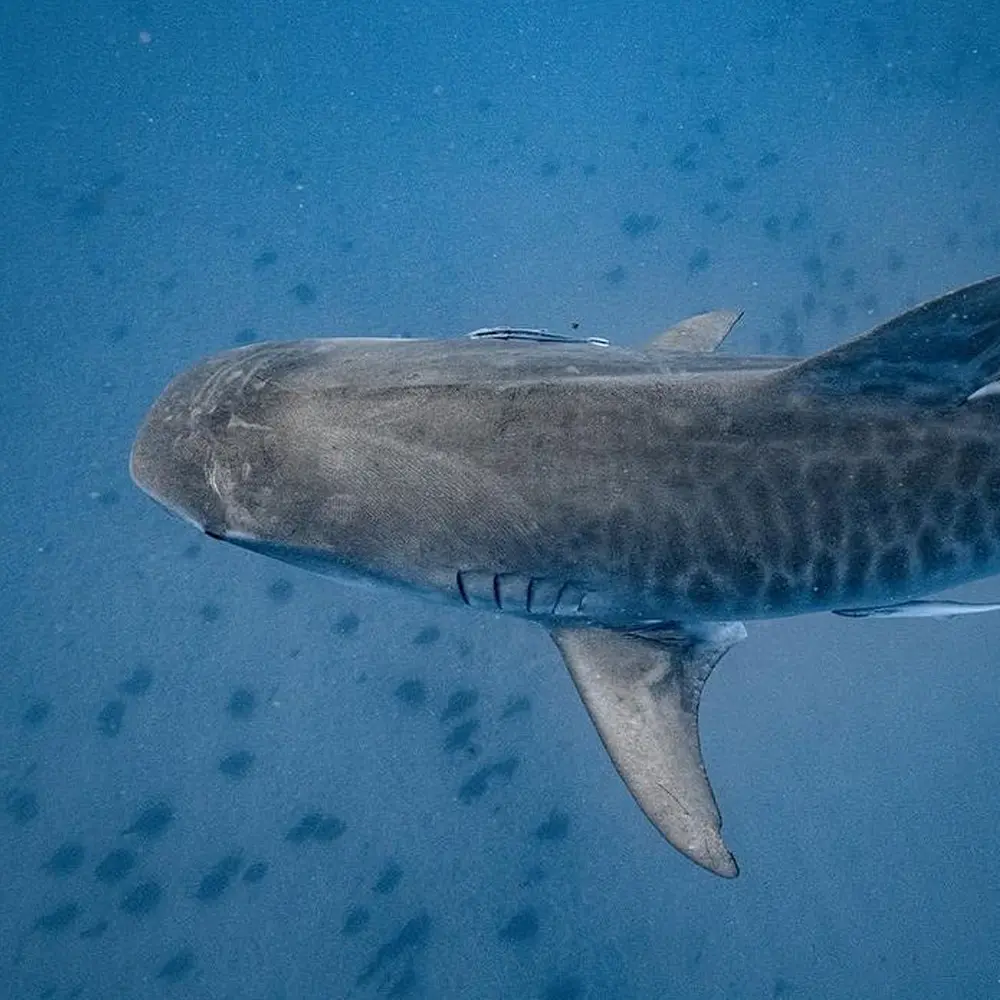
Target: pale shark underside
point(638, 504)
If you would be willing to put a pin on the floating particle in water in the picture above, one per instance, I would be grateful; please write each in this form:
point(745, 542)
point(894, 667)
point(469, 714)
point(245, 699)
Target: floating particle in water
point(303, 293)
point(556, 827)
point(388, 880)
point(280, 591)
point(460, 701)
point(114, 866)
point(427, 635)
point(255, 872)
point(21, 805)
point(137, 683)
point(142, 900)
point(178, 966)
point(37, 712)
point(152, 820)
point(412, 692)
point(66, 859)
point(242, 703)
point(356, 920)
point(521, 927)
point(237, 764)
point(110, 718)
point(210, 612)
point(58, 919)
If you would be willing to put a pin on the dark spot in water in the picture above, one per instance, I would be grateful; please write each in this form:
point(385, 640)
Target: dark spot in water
point(110, 718)
point(237, 764)
point(427, 635)
point(748, 576)
point(521, 927)
point(556, 827)
point(218, 879)
point(782, 988)
point(266, 258)
point(356, 920)
point(638, 224)
point(210, 612)
point(137, 683)
point(329, 828)
point(518, 705)
point(412, 692)
point(566, 988)
point(303, 293)
point(699, 261)
point(114, 866)
point(94, 931)
point(388, 880)
point(347, 625)
point(686, 160)
point(242, 703)
point(459, 738)
point(142, 900)
point(735, 184)
point(712, 125)
point(66, 859)
point(280, 591)
point(479, 782)
point(459, 702)
point(58, 919)
point(255, 872)
point(316, 826)
point(245, 336)
point(37, 712)
point(152, 820)
point(178, 966)
point(21, 805)
point(895, 260)
point(859, 557)
point(615, 275)
point(549, 168)
point(412, 937)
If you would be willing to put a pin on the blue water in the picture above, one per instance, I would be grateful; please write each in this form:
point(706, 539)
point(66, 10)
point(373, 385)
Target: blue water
point(223, 778)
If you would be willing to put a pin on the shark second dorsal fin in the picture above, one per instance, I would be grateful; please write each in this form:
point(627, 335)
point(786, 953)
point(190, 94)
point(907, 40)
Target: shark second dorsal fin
point(938, 354)
point(704, 332)
point(642, 691)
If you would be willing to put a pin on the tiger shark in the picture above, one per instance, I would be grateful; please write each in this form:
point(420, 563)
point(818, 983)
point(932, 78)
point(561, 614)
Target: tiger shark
point(639, 504)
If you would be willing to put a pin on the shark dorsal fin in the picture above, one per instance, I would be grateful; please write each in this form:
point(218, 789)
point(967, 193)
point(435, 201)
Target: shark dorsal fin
point(937, 354)
point(642, 690)
point(704, 332)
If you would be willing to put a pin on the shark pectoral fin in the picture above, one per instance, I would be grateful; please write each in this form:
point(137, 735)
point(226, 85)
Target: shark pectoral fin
point(704, 332)
point(919, 609)
point(642, 690)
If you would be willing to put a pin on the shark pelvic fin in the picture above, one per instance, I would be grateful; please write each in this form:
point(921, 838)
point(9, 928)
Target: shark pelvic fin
point(642, 690)
point(703, 333)
point(938, 354)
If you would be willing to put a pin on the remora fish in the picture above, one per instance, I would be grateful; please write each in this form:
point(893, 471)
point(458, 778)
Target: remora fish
point(638, 504)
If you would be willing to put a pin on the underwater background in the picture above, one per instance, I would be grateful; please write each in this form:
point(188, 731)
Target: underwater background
point(223, 778)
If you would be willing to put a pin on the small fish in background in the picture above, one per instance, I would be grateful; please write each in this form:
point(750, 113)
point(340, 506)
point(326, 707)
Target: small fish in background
point(639, 504)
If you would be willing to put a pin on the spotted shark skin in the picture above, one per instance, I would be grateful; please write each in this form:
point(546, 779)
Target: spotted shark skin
point(636, 503)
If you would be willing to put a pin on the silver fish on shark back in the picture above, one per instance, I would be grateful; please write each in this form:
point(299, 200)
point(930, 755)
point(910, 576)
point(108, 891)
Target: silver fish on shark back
point(638, 504)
